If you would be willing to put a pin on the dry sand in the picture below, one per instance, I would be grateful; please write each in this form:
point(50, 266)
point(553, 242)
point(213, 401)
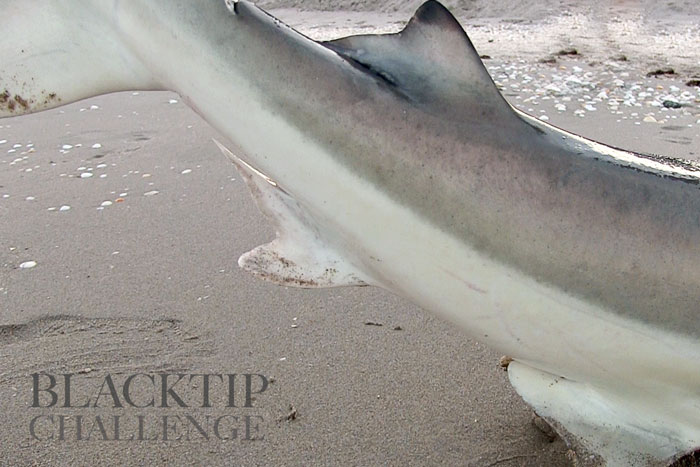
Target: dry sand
point(149, 283)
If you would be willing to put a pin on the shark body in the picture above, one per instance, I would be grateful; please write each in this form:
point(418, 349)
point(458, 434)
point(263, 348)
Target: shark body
point(394, 161)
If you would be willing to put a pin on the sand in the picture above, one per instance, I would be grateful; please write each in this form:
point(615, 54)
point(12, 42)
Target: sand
point(135, 222)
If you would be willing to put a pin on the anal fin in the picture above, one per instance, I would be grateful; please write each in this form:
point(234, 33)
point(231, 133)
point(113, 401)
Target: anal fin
point(299, 256)
point(624, 429)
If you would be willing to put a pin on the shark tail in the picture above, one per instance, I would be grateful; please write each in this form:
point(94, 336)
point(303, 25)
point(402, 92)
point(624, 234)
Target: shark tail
point(54, 53)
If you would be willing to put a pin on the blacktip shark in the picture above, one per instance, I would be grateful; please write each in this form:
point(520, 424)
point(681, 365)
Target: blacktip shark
point(393, 160)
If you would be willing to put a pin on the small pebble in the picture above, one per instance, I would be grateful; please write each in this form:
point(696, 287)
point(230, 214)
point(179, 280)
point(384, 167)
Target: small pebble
point(27, 265)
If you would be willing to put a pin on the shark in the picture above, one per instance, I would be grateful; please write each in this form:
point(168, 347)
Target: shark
point(394, 161)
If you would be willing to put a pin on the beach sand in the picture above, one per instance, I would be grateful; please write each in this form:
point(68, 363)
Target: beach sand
point(135, 222)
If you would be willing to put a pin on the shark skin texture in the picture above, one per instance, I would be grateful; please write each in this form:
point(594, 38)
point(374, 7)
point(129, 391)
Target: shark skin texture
point(393, 161)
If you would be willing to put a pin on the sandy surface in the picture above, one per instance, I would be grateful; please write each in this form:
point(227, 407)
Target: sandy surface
point(149, 283)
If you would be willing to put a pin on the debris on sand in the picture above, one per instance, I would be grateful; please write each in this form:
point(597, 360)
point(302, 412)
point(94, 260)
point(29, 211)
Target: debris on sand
point(672, 104)
point(693, 82)
point(505, 361)
point(661, 72)
point(291, 415)
point(567, 51)
point(372, 323)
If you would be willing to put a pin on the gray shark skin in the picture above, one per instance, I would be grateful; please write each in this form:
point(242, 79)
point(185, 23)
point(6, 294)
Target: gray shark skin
point(394, 161)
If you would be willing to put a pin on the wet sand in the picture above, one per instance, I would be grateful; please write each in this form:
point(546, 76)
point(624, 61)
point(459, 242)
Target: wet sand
point(139, 275)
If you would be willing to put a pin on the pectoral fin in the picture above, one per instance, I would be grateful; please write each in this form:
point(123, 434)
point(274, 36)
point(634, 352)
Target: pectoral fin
point(299, 256)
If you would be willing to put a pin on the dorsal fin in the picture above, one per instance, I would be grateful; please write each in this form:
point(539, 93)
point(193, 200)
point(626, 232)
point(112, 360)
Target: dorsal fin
point(431, 61)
